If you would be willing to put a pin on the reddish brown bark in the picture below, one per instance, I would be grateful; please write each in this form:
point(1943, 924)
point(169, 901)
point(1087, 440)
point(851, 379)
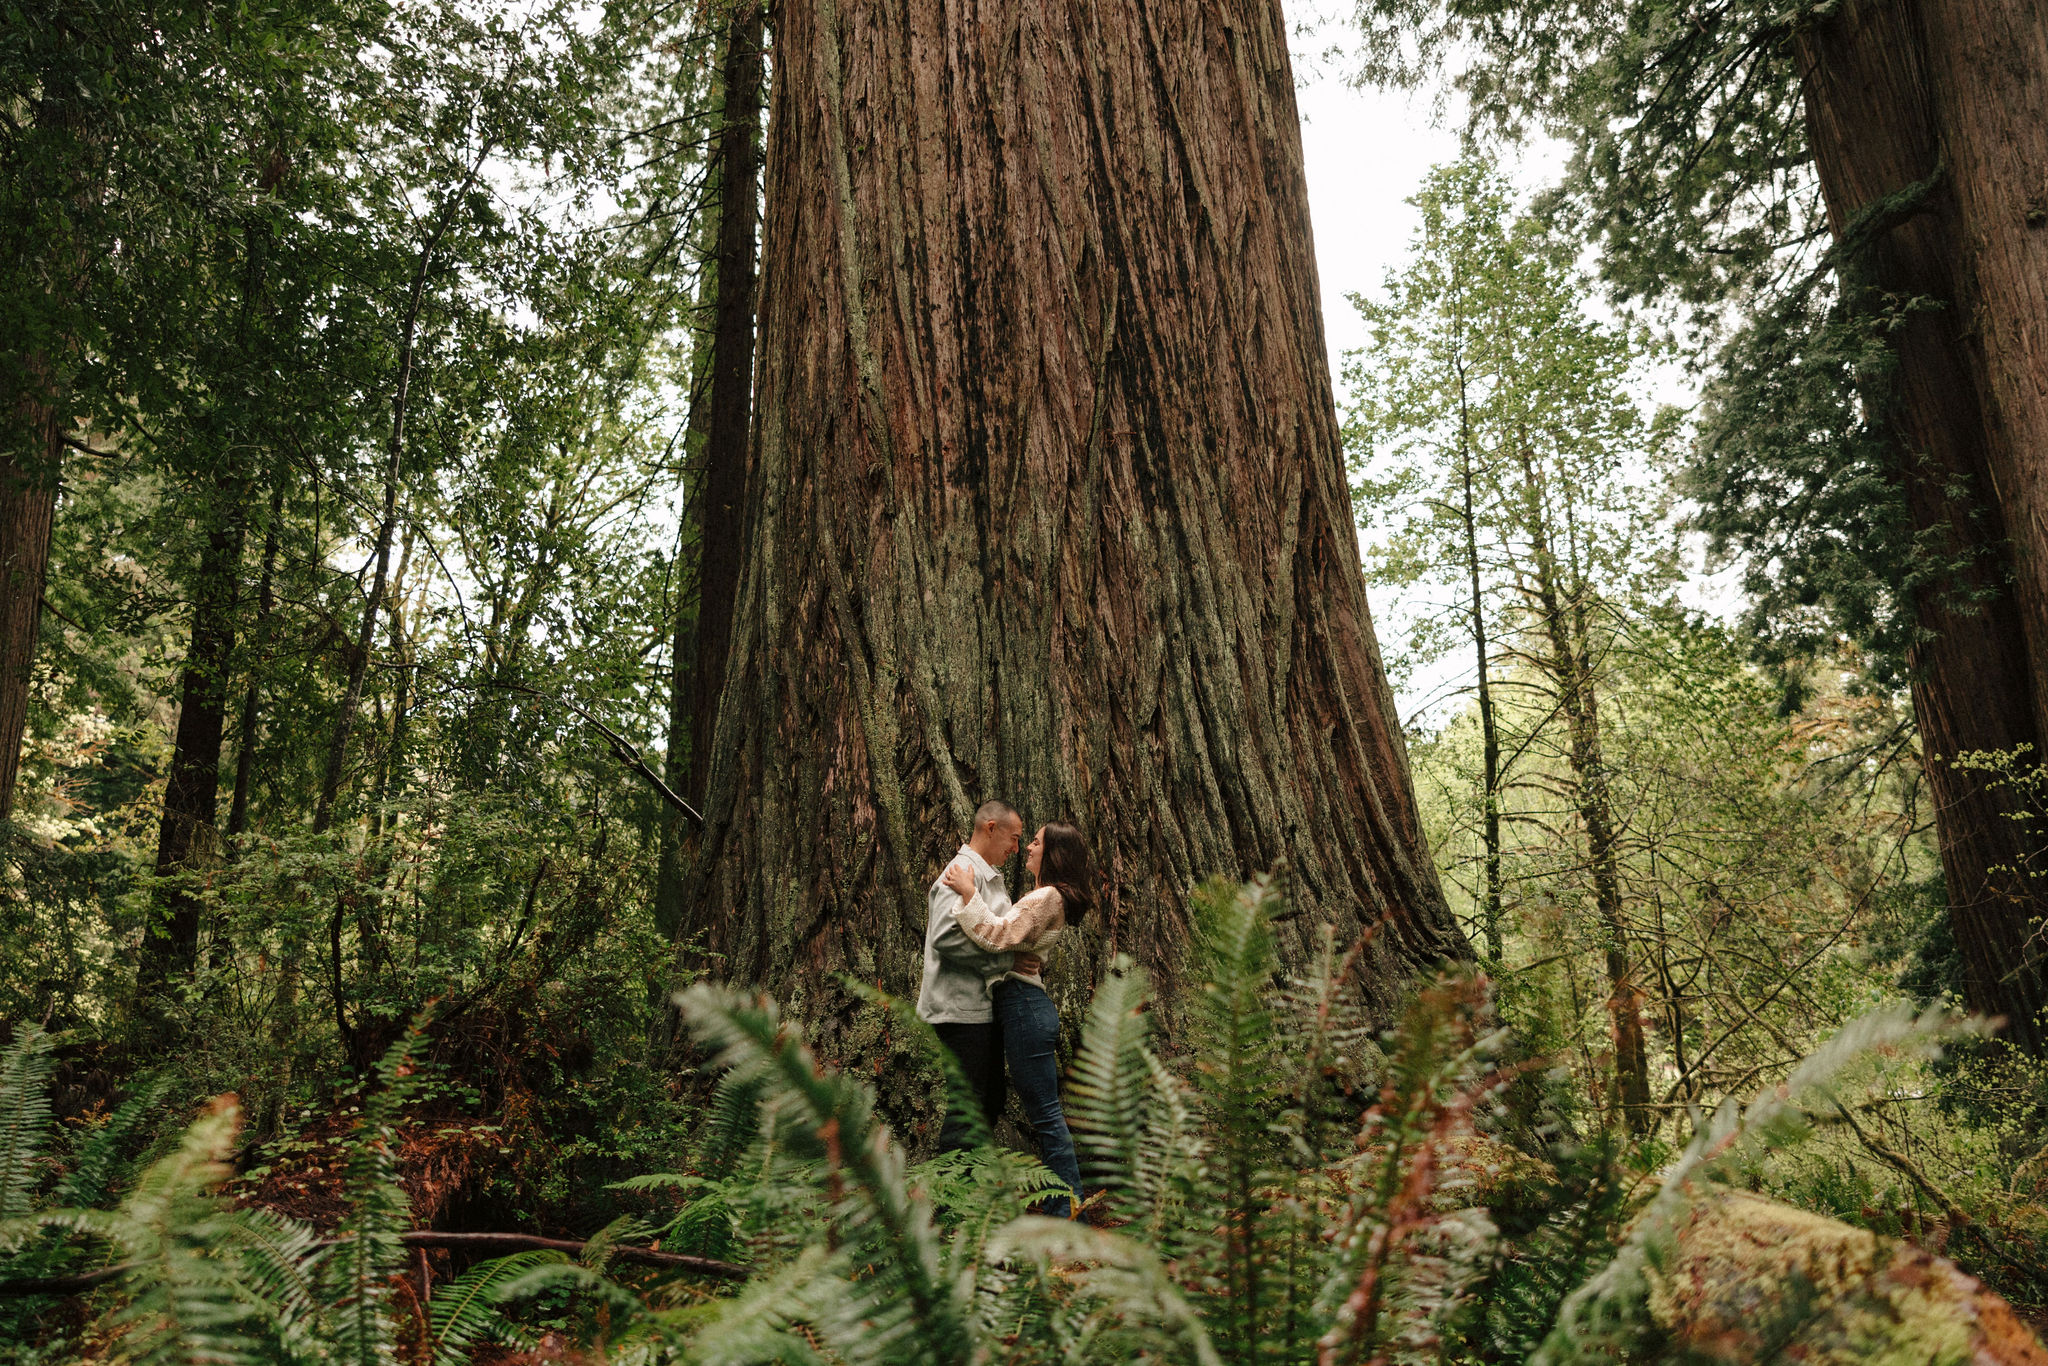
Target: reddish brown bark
point(1951, 96)
point(1047, 500)
point(28, 504)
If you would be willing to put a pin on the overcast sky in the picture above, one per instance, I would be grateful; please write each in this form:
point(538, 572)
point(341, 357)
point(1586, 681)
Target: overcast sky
point(1366, 152)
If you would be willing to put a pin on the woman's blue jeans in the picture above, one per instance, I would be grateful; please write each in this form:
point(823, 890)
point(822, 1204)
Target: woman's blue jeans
point(1031, 1034)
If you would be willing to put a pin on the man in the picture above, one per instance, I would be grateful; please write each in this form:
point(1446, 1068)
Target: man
point(954, 995)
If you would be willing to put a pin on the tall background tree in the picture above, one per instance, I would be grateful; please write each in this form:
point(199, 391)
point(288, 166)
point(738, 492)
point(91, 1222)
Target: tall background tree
point(1857, 186)
point(1492, 428)
point(1047, 500)
point(716, 440)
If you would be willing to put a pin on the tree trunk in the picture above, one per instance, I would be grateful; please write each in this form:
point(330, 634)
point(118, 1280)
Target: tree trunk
point(1489, 732)
point(721, 502)
point(28, 505)
point(1951, 96)
point(192, 793)
point(266, 604)
point(728, 405)
point(1047, 502)
point(1560, 602)
point(359, 661)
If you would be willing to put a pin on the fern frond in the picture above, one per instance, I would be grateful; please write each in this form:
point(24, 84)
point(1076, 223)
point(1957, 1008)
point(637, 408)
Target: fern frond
point(1108, 1083)
point(278, 1261)
point(24, 1115)
point(731, 1126)
point(886, 1227)
point(756, 1326)
point(1608, 1315)
point(1170, 1149)
point(1142, 1311)
point(573, 1278)
point(1325, 1030)
point(92, 1170)
point(358, 1273)
point(465, 1312)
point(599, 1246)
point(189, 1303)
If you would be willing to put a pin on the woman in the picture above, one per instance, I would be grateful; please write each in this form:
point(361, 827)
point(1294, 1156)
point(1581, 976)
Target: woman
point(1059, 861)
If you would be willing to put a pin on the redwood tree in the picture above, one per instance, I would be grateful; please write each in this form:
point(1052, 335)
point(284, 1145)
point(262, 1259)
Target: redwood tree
point(1928, 121)
point(1046, 499)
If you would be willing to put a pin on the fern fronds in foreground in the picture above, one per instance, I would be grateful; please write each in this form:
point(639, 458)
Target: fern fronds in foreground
point(24, 1115)
point(1607, 1317)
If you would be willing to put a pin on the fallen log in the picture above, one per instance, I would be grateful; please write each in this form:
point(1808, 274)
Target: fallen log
point(1749, 1279)
point(487, 1243)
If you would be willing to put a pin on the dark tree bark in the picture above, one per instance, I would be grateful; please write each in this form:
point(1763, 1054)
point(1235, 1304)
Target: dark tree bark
point(28, 505)
point(192, 791)
point(722, 464)
point(1946, 102)
point(266, 606)
point(721, 503)
point(1047, 500)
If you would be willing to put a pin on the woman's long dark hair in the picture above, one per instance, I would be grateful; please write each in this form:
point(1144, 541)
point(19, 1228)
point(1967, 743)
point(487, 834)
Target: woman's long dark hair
point(1065, 863)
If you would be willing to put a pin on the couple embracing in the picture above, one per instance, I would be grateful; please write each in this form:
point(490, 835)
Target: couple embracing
point(982, 989)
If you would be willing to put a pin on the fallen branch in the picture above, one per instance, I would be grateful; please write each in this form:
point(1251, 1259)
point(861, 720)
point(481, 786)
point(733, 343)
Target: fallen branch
point(529, 1242)
point(622, 749)
point(493, 1243)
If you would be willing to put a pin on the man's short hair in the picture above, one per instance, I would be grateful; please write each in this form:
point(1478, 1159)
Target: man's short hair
point(995, 809)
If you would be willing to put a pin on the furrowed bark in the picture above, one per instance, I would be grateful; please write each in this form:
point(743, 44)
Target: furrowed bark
point(721, 506)
point(1948, 99)
point(1046, 501)
point(28, 505)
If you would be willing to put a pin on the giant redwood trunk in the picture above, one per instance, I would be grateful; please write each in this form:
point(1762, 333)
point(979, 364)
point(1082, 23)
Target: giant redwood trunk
point(1929, 125)
point(1046, 501)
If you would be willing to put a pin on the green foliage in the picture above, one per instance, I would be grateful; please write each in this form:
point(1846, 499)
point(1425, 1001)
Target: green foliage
point(1250, 1227)
point(201, 1280)
point(1256, 1214)
point(466, 1312)
point(24, 1116)
point(1607, 1318)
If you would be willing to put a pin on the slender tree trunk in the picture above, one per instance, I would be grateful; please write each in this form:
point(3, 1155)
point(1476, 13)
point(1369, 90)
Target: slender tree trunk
point(192, 791)
point(1489, 732)
point(721, 507)
point(245, 735)
point(401, 706)
point(1561, 603)
point(1948, 99)
point(720, 496)
point(359, 660)
point(1046, 499)
point(28, 506)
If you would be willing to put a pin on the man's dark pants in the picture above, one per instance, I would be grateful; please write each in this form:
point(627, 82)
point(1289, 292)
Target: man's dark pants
point(979, 1048)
